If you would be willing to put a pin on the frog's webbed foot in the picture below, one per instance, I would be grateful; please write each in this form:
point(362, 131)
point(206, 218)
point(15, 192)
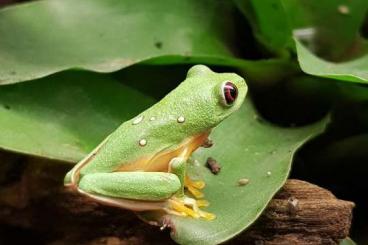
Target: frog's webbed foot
point(181, 204)
point(194, 187)
point(186, 206)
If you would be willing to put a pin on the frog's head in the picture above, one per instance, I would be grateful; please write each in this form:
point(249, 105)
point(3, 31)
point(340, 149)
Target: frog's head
point(217, 95)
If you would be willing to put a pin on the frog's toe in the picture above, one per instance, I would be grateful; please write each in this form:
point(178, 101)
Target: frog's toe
point(188, 207)
point(194, 187)
point(202, 203)
point(206, 215)
point(198, 184)
point(178, 207)
point(195, 192)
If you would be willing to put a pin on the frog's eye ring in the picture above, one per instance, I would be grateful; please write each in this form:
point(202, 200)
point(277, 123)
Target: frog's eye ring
point(229, 93)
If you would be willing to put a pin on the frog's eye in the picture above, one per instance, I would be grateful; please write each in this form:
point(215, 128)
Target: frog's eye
point(229, 93)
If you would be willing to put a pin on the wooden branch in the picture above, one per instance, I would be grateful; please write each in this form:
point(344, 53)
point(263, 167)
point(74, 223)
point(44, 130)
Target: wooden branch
point(301, 213)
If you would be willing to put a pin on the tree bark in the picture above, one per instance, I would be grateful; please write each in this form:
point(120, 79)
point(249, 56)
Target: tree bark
point(301, 213)
point(34, 208)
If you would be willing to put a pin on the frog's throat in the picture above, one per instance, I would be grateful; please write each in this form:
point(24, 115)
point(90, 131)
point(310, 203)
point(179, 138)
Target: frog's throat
point(160, 161)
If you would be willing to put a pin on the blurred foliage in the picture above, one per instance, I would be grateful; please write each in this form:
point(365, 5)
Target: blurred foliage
point(347, 241)
point(302, 60)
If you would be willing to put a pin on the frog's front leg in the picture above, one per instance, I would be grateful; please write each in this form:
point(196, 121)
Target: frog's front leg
point(180, 204)
point(178, 167)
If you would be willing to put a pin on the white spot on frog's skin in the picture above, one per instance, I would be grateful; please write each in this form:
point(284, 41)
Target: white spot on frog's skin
point(269, 173)
point(343, 9)
point(142, 142)
point(138, 120)
point(181, 119)
point(152, 118)
point(196, 163)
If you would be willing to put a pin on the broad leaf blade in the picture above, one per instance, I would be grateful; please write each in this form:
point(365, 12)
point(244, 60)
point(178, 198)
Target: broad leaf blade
point(325, 42)
point(330, 28)
point(352, 71)
point(269, 23)
point(65, 116)
point(44, 37)
point(273, 23)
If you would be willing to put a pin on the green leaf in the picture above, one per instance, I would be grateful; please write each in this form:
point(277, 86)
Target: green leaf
point(269, 23)
point(352, 71)
point(246, 147)
point(65, 115)
point(273, 23)
point(44, 37)
point(347, 241)
point(334, 39)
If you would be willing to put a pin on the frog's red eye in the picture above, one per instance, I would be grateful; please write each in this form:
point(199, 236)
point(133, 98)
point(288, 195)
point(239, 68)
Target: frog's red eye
point(230, 92)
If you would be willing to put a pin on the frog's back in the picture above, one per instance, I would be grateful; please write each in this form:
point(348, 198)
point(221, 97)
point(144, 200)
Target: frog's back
point(136, 140)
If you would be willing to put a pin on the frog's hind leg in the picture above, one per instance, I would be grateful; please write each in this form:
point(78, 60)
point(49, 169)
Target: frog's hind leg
point(131, 189)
